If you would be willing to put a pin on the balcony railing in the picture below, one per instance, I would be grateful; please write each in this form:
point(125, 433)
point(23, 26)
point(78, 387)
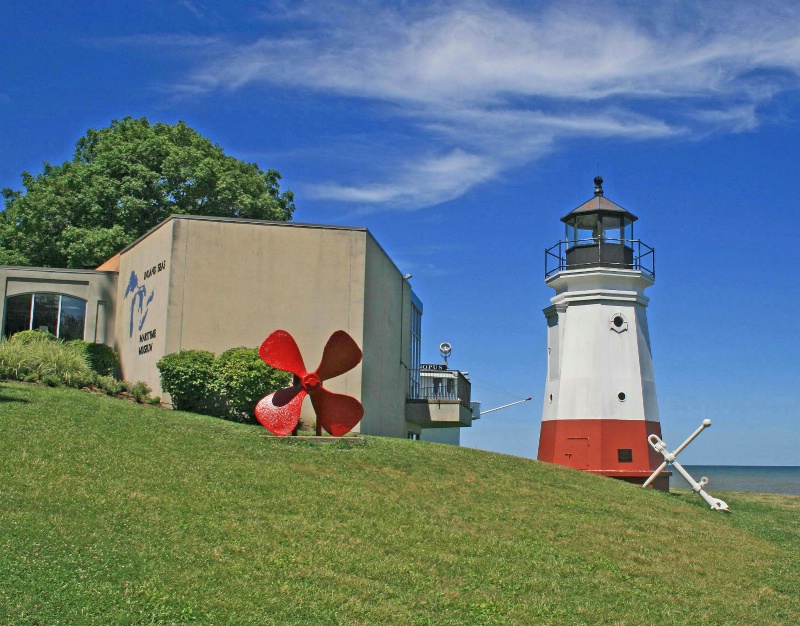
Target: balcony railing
point(453, 386)
point(629, 254)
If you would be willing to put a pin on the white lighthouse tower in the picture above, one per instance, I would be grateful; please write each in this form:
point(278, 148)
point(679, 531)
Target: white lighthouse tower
point(600, 395)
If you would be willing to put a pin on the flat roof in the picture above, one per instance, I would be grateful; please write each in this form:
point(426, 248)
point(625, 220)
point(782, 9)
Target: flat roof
point(55, 270)
point(241, 220)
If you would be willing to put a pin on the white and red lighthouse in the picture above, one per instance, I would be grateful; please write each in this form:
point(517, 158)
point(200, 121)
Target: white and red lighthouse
point(600, 395)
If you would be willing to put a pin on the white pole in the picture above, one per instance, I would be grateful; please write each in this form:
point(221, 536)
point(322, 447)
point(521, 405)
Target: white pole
point(654, 474)
point(706, 423)
point(505, 406)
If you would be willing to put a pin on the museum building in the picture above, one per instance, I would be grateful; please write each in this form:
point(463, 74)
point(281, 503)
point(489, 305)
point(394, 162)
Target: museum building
point(214, 283)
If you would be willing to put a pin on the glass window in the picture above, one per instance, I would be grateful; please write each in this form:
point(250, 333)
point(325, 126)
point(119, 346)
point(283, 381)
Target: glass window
point(18, 314)
point(416, 351)
point(572, 234)
point(72, 318)
point(612, 228)
point(628, 230)
point(583, 229)
point(45, 312)
point(60, 315)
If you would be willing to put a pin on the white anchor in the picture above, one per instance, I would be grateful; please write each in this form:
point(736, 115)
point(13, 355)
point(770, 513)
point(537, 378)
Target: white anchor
point(669, 457)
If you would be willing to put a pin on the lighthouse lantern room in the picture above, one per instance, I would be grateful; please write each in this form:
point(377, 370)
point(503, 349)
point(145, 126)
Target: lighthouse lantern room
point(600, 395)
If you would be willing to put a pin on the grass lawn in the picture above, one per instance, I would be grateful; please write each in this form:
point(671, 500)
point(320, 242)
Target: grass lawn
point(115, 513)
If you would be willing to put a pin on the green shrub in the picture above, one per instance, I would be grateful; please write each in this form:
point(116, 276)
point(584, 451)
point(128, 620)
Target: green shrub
point(43, 360)
point(103, 359)
point(140, 392)
point(242, 379)
point(110, 385)
point(36, 357)
point(27, 337)
point(188, 376)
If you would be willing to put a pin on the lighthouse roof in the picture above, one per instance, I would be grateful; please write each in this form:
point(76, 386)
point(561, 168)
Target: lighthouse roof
point(599, 204)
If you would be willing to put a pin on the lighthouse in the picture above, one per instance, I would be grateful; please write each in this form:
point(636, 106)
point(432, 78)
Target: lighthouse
point(600, 394)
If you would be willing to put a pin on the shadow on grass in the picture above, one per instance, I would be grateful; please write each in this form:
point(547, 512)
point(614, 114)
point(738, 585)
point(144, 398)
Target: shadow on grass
point(8, 399)
point(5, 398)
point(329, 443)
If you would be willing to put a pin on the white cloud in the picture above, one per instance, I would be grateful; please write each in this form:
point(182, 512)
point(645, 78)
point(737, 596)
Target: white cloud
point(489, 88)
point(416, 183)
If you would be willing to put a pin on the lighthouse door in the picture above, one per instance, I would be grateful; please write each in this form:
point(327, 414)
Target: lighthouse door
point(576, 453)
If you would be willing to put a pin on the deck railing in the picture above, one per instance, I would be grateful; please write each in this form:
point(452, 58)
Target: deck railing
point(453, 385)
point(604, 252)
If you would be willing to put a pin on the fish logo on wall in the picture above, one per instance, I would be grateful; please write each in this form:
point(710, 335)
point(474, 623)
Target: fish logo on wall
point(140, 302)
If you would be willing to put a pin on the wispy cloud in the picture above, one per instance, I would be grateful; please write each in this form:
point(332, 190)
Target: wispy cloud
point(191, 7)
point(417, 183)
point(488, 87)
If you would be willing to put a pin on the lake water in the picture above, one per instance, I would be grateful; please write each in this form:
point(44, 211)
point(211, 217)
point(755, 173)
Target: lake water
point(743, 478)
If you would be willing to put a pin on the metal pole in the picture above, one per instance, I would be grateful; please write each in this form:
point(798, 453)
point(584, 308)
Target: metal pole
point(654, 475)
point(505, 406)
point(706, 423)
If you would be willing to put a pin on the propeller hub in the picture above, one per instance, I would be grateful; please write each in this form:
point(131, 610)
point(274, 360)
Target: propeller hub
point(311, 382)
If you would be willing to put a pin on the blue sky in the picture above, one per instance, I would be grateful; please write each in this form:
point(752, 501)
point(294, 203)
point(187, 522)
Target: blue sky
point(459, 133)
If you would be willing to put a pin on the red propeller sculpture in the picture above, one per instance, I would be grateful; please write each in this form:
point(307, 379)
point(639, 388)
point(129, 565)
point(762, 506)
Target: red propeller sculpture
point(337, 413)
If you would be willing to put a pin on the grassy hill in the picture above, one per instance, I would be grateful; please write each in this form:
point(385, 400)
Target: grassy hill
point(113, 513)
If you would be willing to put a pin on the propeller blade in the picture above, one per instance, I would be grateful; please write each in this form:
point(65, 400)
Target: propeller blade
point(280, 351)
point(337, 413)
point(279, 412)
point(341, 354)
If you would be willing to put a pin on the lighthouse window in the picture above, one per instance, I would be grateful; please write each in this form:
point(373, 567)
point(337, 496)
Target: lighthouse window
point(624, 455)
point(618, 323)
point(621, 396)
point(613, 228)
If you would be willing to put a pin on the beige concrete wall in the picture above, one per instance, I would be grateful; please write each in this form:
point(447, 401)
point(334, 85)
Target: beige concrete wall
point(387, 341)
point(229, 283)
point(142, 303)
point(235, 282)
point(97, 288)
point(438, 413)
point(450, 436)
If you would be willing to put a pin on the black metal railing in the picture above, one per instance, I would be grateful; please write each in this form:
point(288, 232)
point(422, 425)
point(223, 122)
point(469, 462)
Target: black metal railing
point(630, 254)
point(454, 386)
point(413, 385)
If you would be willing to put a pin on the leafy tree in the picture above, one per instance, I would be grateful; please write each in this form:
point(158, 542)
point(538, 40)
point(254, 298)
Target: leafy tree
point(122, 181)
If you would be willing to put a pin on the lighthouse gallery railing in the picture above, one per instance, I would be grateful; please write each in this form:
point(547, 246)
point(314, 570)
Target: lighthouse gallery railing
point(642, 257)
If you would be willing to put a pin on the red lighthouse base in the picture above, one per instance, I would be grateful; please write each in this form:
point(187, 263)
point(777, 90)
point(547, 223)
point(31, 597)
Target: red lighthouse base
point(614, 448)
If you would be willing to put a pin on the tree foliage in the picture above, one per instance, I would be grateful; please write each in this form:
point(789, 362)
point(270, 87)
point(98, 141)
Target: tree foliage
point(122, 181)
